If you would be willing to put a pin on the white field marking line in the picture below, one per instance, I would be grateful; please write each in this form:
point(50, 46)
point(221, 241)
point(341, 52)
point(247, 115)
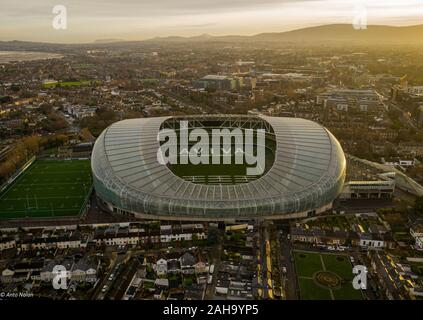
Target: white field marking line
point(24, 174)
point(43, 173)
point(82, 196)
point(73, 204)
point(50, 183)
point(323, 263)
point(18, 189)
point(37, 188)
point(47, 209)
point(46, 198)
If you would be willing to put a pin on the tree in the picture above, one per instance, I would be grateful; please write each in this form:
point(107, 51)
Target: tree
point(213, 236)
point(86, 135)
point(24, 149)
point(46, 108)
point(102, 119)
point(15, 88)
point(6, 99)
point(54, 122)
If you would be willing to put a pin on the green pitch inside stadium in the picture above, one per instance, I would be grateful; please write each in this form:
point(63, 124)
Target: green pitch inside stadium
point(218, 174)
point(48, 188)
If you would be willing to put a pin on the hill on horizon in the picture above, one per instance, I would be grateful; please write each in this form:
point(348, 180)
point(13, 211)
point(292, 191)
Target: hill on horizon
point(325, 34)
point(332, 34)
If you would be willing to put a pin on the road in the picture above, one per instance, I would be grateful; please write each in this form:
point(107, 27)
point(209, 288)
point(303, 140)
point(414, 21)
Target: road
point(122, 278)
point(115, 262)
point(265, 264)
point(385, 269)
point(391, 105)
point(406, 117)
point(291, 286)
point(216, 261)
point(262, 268)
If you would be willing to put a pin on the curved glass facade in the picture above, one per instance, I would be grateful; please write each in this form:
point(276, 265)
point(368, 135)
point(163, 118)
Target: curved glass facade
point(308, 173)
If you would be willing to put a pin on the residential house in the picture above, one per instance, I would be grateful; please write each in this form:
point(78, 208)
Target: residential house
point(7, 243)
point(188, 232)
point(85, 270)
point(161, 283)
point(21, 271)
point(158, 294)
point(201, 267)
point(195, 292)
point(48, 271)
point(371, 241)
point(161, 267)
point(416, 232)
point(188, 262)
point(340, 238)
point(173, 266)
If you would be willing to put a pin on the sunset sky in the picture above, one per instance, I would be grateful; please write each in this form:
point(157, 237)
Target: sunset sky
point(89, 20)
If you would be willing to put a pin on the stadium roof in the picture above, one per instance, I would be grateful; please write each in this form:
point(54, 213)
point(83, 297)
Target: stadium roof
point(308, 173)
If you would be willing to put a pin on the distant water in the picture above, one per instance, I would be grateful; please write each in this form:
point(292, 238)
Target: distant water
point(11, 56)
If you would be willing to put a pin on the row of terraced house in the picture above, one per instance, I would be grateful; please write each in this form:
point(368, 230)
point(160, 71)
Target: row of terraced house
point(367, 240)
point(111, 236)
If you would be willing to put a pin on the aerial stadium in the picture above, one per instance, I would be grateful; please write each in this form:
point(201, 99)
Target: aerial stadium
point(302, 173)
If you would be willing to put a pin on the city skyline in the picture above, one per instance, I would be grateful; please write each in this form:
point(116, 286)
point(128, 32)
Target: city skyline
point(132, 20)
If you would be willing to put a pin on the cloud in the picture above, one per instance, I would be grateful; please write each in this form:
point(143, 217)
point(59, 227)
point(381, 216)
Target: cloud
point(136, 19)
point(128, 8)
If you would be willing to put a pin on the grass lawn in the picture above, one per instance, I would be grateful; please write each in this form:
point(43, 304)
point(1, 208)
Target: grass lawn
point(71, 84)
point(308, 263)
point(314, 292)
point(347, 292)
point(48, 188)
point(339, 264)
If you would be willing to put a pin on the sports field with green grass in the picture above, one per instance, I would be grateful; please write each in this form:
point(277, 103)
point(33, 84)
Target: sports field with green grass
point(325, 276)
point(231, 173)
point(71, 84)
point(48, 188)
